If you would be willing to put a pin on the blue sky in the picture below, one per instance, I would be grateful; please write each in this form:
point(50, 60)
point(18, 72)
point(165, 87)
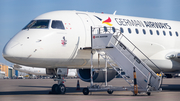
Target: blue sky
point(15, 14)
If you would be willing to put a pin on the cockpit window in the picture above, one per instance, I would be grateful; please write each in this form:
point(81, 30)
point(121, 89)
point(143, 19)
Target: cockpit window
point(37, 24)
point(56, 24)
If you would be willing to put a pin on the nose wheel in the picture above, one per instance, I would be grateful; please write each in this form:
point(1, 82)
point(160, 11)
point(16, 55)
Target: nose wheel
point(62, 89)
point(59, 89)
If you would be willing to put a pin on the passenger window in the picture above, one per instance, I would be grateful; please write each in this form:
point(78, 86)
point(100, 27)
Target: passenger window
point(157, 32)
point(137, 31)
point(57, 24)
point(170, 33)
point(177, 34)
point(121, 29)
point(129, 30)
point(144, 31)
point(164, 33)
point(151, 32)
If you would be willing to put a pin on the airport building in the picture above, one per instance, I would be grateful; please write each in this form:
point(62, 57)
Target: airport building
point(6, 71)
point(4, 68)
point(2, 74)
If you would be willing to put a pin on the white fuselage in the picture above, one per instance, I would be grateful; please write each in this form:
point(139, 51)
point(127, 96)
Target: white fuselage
point(53, 48)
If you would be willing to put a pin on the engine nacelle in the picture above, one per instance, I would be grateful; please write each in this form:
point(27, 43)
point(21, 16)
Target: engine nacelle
point(98, 76)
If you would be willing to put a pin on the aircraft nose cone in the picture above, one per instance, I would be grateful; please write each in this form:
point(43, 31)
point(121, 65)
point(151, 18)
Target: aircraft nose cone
point(11, 51)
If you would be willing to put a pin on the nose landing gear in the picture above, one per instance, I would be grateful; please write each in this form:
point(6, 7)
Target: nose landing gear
point(60, 87)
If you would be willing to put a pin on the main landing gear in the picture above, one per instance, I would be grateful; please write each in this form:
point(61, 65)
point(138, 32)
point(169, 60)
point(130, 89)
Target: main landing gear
point(60, 87)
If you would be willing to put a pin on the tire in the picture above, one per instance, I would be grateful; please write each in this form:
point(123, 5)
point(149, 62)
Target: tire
point(110, 91)
point(62, 89)
point(148, 93)
point(55, 88)
point(85, 91)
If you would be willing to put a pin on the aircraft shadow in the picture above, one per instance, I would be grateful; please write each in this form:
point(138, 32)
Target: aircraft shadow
point(74, 91)
point(170, 87)
point(68, 90)
point(35, 86)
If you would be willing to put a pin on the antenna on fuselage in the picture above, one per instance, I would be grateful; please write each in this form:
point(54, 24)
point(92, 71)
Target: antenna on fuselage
point(114, 13)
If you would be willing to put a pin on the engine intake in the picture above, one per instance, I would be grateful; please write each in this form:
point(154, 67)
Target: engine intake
point(98, 76)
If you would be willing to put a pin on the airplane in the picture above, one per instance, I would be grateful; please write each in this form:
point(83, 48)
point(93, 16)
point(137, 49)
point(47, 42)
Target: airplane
point(41, 71)
point(61, 40)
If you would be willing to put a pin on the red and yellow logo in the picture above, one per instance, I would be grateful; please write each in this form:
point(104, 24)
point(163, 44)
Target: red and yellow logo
point(107, 21)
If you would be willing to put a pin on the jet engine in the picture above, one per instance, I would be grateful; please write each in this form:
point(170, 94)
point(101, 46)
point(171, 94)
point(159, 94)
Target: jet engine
point(98, 75)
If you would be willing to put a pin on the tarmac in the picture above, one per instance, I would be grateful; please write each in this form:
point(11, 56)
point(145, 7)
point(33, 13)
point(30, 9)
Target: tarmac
point(38, 90)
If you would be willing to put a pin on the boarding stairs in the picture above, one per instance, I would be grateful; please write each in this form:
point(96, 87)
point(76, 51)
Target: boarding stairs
point(120, 52)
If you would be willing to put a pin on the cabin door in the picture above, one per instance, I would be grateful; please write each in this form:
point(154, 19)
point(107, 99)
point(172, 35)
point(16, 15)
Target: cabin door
point(87, 27)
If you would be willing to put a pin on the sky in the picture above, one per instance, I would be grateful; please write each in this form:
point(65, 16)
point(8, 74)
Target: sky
point(16, 14)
